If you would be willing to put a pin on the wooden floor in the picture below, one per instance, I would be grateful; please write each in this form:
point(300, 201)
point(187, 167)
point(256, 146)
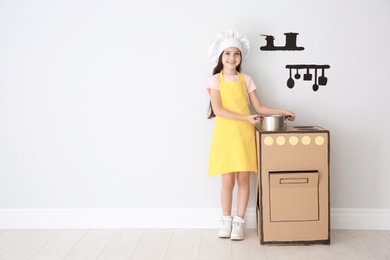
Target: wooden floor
point(181, 244)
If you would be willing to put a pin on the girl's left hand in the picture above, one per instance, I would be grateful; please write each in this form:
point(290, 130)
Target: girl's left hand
point(291, 115)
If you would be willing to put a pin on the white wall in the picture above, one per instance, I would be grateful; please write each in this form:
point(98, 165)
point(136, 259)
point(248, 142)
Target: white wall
point(103, 103)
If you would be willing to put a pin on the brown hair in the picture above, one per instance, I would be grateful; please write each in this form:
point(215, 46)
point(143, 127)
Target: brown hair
point(216, 70)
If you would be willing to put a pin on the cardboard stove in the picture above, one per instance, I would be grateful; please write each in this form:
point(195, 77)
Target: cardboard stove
point(293, 186)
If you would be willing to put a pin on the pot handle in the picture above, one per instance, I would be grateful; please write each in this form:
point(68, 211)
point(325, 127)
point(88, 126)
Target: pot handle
point(285, 121)
point(262, 122)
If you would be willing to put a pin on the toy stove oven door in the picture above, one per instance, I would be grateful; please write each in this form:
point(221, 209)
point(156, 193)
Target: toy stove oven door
point(293, 196)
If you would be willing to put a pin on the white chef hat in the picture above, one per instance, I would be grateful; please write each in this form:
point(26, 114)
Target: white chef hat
point(226, 39)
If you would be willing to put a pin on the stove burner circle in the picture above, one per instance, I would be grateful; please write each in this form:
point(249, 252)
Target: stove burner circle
point(268, 141)
point(320, 140)
point(306, 140)
point(293, 140)
point(280, 140)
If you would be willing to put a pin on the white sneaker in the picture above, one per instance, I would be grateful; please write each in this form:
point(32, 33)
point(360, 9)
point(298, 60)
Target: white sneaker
point(226, 228)
point(238, 229)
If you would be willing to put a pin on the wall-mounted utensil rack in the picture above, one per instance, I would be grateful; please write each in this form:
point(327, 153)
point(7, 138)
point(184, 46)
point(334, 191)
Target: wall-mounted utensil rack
point(318, 81)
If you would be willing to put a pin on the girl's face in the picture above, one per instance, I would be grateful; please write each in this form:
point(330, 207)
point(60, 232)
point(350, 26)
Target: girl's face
point(231, 58)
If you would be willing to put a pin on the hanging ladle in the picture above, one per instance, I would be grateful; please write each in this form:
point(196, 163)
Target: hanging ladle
point(290, 81)
point(297, 75)
point(315, 86)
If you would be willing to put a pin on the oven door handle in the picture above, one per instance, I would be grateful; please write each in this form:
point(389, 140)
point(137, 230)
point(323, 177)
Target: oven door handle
point(294, 180)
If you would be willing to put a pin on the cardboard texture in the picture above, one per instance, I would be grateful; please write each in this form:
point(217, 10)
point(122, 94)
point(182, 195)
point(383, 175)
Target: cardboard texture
point(292, 186)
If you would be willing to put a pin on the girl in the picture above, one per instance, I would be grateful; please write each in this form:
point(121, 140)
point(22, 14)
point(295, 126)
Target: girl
point(233, 146)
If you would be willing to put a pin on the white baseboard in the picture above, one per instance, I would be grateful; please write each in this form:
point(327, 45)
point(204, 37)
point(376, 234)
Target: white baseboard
point(374, 219)
point(114, 218)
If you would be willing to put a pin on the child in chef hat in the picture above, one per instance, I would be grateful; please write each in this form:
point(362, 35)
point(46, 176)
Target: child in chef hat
point(233, 146)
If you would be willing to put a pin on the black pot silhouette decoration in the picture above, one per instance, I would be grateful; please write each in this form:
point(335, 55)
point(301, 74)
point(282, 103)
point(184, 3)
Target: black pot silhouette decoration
point(291, 43)
point(318, 81)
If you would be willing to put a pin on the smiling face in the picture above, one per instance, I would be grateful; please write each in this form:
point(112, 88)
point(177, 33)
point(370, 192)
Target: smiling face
point(231, 58)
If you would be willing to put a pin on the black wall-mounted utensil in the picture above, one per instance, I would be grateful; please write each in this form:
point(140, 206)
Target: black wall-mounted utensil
point(322, 80)
point(290, 81)
point(315, 86)
point(307, 76)
point(297, 75)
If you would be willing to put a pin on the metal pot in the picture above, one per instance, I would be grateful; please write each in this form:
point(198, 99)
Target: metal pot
point(273, 123)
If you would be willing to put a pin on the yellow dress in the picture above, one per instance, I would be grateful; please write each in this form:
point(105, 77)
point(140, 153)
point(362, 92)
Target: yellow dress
point(233, 145)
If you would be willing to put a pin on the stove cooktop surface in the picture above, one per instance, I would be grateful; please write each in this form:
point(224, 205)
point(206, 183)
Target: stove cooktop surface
point(302, 128)
point(305, 128)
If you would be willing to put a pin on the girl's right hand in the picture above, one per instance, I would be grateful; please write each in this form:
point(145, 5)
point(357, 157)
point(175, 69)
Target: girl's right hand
point(253, 119)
